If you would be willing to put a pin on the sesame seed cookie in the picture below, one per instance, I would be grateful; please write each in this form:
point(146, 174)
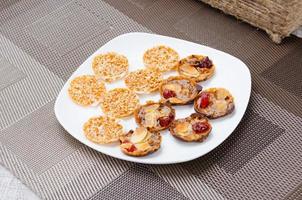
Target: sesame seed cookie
point(144, 80)
point(86, 90)
point(161, 57)
point(102, 130)
point(110, 66)
point(120, 102)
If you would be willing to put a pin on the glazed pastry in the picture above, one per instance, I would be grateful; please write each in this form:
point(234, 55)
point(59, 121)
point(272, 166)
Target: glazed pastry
point(214, 103)
point(155, 116)
point(197, 67)
point(140, 142)
point(195, 128)
point(178, 90)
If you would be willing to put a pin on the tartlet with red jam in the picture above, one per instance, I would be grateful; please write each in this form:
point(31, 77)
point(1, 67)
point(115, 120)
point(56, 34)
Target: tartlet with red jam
point(195, 128)
point(214, 103)
point(140, 142)
point(155, 116)
point(197, 67)
point(178, 90)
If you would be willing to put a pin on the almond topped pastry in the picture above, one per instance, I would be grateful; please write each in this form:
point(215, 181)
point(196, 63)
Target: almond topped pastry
point(110, 66)
point(140, 142)
point(102, 130)
point(144, 80)
point(195, 128)
point(154, 116)
point(197, 67)
point(161, 57)
point(120, 102)
point(86, 90)
point(214, 103)
point(178, 90)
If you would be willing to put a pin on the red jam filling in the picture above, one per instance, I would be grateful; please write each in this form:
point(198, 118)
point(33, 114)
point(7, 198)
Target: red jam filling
point(168, 94)
point(200, 127)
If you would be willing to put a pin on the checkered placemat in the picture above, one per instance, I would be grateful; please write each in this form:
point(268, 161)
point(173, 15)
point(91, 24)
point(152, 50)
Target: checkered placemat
point(43, 42)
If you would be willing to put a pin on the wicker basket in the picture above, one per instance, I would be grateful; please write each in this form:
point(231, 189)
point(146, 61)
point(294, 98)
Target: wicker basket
point(279, 18)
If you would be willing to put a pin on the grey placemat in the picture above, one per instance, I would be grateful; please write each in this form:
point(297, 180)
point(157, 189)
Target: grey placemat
point(43, 42)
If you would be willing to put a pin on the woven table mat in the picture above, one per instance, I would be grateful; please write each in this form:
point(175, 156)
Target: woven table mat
point(43, 41)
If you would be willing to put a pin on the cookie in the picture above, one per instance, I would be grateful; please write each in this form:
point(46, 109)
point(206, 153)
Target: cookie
point(161, 57)
point(195, 128)
point(140, 142)
point(120, 102)
point(144, 80)
point(197, 67)
point(154, 116)
point(102, 130)
point(214, 103)
point(86, 90)
point(110, 66)
point(178, 90)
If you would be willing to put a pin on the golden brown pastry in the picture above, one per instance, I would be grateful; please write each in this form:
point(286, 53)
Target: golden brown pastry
point(197, 67)
point(195, 128)
point(214, 103)
point(178, 90)
point(155, 116)
point(140, 142)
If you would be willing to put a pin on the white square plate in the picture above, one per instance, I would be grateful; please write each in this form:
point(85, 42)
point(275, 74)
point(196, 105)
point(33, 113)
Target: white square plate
point(231, 73)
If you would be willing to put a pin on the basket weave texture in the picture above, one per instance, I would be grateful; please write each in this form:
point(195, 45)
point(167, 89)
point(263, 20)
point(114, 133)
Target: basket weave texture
point(279, 18)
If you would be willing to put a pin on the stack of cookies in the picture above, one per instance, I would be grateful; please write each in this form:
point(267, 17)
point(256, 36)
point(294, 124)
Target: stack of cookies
point(152, 117)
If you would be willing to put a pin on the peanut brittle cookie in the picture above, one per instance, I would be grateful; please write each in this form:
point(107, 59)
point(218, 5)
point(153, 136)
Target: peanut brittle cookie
point(144, 80)
point(161, 57)
point(86, 90)
point(110, 66)
point(120, 102)
point(102, 130)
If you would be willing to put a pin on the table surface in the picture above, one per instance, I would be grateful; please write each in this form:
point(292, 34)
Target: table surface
point(11, 188)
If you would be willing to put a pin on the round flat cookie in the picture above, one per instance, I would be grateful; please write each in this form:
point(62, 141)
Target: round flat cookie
point(214, 103)
point(110, 66)
point(144, 80)
point(120, 102)
point(102, 130)
point(197, 67)
point(155, 116)
point(178, 90)
point(86, 90)
point(195, 128)
point(161, 57)
point(140, 142)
